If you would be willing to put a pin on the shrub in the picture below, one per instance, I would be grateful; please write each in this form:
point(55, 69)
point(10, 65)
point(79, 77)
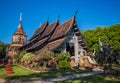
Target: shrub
point(43, 56)
point(62, 56)
point(64, 64)
point(27, 57)
point(18, 57)
point(63, 59)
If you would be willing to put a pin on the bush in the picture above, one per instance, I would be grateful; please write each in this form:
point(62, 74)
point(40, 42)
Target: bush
point(62, 56)
point(18, 57)
point(27, 57)
point(45, 54)
point(64, 64)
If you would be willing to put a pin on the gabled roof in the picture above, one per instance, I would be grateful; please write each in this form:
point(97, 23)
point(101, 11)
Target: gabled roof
point(53, 45)
point(49, 29)
point(52, 36)
point(37, 44)
point(39, 30)
point(45, 35)
point(62, 29)
point(58, 37)
point(36, 35)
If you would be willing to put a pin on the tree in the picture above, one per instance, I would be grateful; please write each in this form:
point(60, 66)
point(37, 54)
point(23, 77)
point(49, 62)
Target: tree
point(3, 47)
point(18, 57)
point(105, 56)
point(112, 33)
point(27, 57)
point(43, 56)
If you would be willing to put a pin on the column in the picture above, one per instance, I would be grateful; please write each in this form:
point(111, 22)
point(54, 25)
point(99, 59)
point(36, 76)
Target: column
point(76, 50)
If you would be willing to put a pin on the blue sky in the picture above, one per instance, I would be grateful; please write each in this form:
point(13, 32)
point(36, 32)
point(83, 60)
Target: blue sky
point(91, 13)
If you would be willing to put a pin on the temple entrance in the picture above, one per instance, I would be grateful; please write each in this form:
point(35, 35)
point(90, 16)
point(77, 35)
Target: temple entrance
point(70, 48)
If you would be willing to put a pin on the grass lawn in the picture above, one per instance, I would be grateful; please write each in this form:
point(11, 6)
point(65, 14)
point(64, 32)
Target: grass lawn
point(22, 73)
point(18, 71)
point(93, 79)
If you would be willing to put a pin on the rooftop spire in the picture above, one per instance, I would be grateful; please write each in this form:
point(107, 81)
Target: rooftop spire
point(58, 16)
point(20, 23)
point(76, 13)
point(20, 16)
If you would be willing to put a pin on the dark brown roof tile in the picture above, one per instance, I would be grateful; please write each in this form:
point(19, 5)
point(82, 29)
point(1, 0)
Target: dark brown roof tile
point(62, 29)
point(49, 29)
point(37, 44)
point(39, 30)
point(53, 45)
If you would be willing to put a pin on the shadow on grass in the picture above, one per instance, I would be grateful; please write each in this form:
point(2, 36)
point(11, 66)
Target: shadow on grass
point(48, 74)
point(1, 66)
point(91, 79)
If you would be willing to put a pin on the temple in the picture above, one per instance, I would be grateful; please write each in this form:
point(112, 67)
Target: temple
point(18, 40)
point(58, 37)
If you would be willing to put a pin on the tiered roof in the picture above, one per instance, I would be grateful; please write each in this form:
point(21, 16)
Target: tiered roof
point(39, 31)
point(44, 36)
point(54, 44)
point(50, 36)
point(62, 29)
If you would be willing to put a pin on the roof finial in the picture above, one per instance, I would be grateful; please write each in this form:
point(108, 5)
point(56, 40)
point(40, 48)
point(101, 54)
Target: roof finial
point(76, 13)
point(58, 16)
point(20, 16)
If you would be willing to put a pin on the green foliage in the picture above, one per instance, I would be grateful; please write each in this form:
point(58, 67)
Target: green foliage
point(18, 57)
point(22, 54)
point(22, 73)
point(106, 56)
point(63, 59)
point(45, 54)
point(27, 57)
point(43, 57)
point(19, 72)
point(3, 47)
point(109, 34)
point(62, 56)
point(64, 64)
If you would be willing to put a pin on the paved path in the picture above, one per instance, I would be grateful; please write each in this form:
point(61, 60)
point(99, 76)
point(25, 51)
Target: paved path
point(57, 78)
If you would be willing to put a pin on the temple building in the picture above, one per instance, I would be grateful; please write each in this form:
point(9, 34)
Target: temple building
point(18, 40)
point(54, 37)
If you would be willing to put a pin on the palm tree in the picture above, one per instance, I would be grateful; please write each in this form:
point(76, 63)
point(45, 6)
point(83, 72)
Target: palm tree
point(27, 58)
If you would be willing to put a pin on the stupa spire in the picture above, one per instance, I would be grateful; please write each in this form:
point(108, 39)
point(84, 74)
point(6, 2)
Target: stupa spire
point(20, 16)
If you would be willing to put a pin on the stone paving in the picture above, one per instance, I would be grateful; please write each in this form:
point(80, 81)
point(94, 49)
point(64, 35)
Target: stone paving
point(53, 79)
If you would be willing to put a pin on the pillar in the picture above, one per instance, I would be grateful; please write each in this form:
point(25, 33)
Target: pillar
point(76, 50)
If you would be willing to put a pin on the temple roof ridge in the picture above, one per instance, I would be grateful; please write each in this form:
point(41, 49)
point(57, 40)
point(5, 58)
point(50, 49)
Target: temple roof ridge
point(39, 30)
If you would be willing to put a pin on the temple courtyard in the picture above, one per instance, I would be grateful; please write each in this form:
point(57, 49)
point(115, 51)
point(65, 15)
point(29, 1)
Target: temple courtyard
point(24, 75)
